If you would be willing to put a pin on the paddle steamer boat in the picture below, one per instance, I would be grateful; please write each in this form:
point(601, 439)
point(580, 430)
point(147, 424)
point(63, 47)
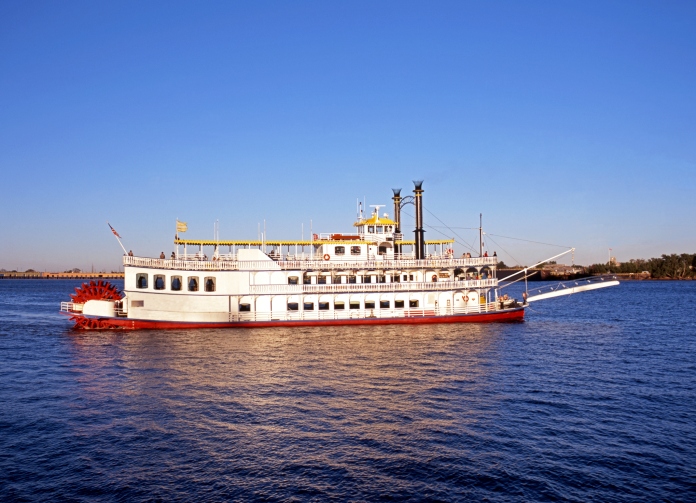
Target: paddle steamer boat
point(372, 276)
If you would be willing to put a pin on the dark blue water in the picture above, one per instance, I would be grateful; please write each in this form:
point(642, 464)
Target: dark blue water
point(592, 398)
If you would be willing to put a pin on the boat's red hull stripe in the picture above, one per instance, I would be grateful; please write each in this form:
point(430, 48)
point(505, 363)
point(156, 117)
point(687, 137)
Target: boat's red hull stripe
point(132, 324)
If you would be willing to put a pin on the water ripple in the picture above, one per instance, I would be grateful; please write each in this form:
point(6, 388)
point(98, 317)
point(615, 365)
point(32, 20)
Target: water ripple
point(591, 399)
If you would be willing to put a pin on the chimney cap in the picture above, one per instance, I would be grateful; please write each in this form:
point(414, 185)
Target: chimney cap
point(397, 192)
point(418, 184)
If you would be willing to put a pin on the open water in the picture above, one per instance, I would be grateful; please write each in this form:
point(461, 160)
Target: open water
point(592, 398)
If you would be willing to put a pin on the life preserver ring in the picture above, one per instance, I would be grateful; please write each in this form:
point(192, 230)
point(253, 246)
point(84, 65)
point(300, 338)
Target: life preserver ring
point(434, 278)
point(327, 256)
point(465, 298)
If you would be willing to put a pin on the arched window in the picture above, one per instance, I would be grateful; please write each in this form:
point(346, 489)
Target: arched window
point(141, 280)
point(176, 283)
point(159, 282)
point(193, 283)
point(210, 284)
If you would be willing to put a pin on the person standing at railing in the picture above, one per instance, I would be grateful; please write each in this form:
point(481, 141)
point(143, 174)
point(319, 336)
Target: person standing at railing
point(162, 256)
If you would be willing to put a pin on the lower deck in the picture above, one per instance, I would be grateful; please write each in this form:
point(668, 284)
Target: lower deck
point(253, 320)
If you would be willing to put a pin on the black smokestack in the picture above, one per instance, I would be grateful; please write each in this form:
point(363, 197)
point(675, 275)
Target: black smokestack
point(397, 216)
point(418, 199)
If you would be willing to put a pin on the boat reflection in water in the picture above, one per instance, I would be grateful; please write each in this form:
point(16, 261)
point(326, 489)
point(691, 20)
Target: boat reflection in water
point(270, 392)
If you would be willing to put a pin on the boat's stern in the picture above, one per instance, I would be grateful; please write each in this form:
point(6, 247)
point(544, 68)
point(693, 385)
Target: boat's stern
point(94, 305)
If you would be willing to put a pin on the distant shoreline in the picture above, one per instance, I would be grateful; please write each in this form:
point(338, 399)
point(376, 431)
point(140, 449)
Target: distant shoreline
point(61, 275)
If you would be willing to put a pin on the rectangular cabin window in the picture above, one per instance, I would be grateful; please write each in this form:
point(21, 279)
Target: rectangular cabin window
point(339, 305)
point(137, 303)
point(159, 281)
point(405, 277)
point(367, 279)
point(193, 283)
point(321, 280)
point(399, 304)
point(339, 250)
point(354, 304)
point(412, 303)
point(351, 279)
point(410, 277)
point(355, 250)
point(381, 279)
point(244, 308)
point(323, 306)
point(307, 280)
point(384, 304)
point(369, 304)
point(176, 283)
point(337, 280)
point(209, 284)
point(141, 280)
point(309, 306)
point(396, 278)
point(293, 306)
point(382, 250)
point(380, 229)
point(371, 229)
point(293, 280)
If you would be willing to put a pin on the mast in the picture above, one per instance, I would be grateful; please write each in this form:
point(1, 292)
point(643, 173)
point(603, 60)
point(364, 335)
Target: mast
point(480, 234)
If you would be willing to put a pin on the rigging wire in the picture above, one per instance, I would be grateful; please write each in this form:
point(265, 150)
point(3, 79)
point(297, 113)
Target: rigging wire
point(465, 243)
point(528, 241)
point(449, 228)
point(462, 242)
point(504, 250)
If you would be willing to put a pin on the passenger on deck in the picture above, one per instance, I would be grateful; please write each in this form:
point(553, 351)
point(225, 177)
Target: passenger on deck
point(130, 253)
point(173, 256)
point(162, 255)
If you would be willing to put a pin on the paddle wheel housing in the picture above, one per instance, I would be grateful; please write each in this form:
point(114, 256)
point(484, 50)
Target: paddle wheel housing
point(98, 291)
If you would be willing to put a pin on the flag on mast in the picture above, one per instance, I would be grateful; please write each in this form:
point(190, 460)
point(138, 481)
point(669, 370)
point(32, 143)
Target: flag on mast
point(118, 237)
point(113, 230)
point(181, 226)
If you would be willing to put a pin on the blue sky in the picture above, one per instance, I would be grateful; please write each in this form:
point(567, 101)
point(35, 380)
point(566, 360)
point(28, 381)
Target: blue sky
point(565, 123)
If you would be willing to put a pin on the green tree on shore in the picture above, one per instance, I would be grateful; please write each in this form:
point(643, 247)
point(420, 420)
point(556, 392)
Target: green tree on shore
point(667, 266)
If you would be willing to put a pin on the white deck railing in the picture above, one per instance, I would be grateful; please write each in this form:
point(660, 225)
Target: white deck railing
point(346, 314)
point(371, 287)
point(303, 265)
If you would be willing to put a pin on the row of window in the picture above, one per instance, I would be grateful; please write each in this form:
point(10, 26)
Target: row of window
point(325, 306)
point(176, 283)
point(379, 229)
point(351, 279)
point(355, 250)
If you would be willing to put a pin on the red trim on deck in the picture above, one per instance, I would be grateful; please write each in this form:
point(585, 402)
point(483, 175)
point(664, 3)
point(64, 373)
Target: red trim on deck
point(132, 324)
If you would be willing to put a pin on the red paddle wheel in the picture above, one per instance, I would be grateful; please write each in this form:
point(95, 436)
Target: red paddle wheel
point(101, 290)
